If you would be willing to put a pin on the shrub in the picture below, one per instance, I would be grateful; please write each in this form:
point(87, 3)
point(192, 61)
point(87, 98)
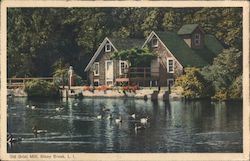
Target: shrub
point(236, 89)
point(41, 88)
point(193, 84)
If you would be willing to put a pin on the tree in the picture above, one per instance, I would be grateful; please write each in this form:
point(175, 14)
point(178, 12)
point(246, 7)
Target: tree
point(224, 73)
point(193, 84)
point(61, 73)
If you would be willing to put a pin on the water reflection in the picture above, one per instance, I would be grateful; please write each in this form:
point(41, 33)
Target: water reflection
point(176, 126)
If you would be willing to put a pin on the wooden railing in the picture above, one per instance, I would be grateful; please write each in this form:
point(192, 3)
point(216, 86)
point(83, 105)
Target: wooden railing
point(20, 82)
point(139, 74)
point(145, 73)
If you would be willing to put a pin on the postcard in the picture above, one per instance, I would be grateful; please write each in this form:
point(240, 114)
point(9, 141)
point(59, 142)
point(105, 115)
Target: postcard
point(124, 80)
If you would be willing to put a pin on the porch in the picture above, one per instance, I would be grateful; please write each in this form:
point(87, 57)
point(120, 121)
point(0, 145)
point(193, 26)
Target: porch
point(142, 76)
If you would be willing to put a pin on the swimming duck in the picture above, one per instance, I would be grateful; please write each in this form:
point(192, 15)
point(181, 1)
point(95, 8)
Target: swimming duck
point(144, 120)
point(33, 107)
point(59, 108)
point(133, 116)
point(110, 117)
point(36, 131)
point(118, 120)
point(104, 109)
point(12, 140)
point(75, 104)
point(28, 106)
point(137, 127)
point(99, 117)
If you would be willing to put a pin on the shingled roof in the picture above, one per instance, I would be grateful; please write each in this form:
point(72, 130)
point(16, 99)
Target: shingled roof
point(187, 29)
point(188, 56)
point(126, 43)
point(119, 44)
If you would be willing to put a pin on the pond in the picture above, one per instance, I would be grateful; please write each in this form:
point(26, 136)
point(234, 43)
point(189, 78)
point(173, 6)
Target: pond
point(177, 126)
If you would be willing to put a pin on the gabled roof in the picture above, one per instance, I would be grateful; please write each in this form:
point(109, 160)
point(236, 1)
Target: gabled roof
point(98, 51)
point(181, 51)
point(118, 44)
point(188, 56)
point(126, 43)
point(187, 29)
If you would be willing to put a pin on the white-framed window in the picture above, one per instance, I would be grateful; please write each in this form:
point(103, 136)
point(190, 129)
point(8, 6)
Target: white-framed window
point(154, 42)
point(170, 65)
point(197, 39)
point(170, 82)
point(96, 68)
point(108, 47)
point(123, 66)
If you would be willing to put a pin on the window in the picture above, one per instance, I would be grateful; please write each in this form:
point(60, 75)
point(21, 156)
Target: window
point(154, 42)
point(96, 68)
point(197, 39)
point(170, 82)
point(96, 82)
point(108, 47)
point(170, 65)
point(123, 66)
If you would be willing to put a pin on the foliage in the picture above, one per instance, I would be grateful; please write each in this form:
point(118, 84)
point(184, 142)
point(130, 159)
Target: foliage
point(136, 56)
point(38, 37)
point(41, 88)
point(236, 88)
point(193, 84)
point(61, 74)
point(226, 74)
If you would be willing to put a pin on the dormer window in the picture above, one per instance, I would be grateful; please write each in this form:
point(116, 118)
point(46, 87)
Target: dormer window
point(197, 39)
point(154, 42)
point(108, 47)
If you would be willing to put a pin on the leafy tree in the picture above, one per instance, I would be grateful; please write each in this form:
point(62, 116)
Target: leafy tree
point(236, 89)
point(224, 73)
point(193, 84)
point(38, 37)
point(61, 73)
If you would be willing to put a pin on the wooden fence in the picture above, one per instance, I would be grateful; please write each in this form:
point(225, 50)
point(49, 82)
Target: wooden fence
point(20, 82)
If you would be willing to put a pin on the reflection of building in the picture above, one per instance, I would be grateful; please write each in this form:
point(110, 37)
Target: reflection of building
point(189, 47)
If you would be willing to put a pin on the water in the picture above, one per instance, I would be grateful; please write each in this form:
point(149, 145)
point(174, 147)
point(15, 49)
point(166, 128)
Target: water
point(199, 126)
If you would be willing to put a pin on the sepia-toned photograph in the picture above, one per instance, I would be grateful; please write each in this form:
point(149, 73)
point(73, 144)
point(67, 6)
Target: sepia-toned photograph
point(124, 79)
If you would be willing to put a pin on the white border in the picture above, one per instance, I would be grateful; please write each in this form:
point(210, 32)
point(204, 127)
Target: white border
point(133, 156)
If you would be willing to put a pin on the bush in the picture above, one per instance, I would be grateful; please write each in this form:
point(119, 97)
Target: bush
point(41, 88)
point(236, 89)
point(193, 84)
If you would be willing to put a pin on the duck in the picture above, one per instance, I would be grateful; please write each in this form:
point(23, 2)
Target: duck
point(33, 107)
point(59, 108)
point(110, 117)
point(75, 104)
point(133, 116)
point(13, 140)
point(36, 131)
point(118, 120)
point(28, 106)
point(137, 127)
point(99, 117)
point(104, 109)
point(144, 120)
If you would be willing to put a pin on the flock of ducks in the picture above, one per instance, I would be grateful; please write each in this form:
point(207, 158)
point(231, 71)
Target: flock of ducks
point(139, 125)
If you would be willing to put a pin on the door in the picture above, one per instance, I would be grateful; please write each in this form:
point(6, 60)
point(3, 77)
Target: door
point(109, 72)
